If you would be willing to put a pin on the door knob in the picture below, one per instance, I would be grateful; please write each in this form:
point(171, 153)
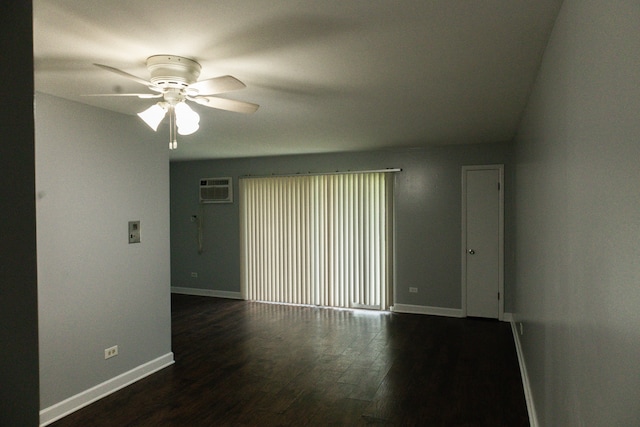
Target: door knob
point(471, 251)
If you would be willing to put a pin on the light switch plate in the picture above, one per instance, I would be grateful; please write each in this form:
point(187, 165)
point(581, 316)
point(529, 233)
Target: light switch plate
point(134, 231)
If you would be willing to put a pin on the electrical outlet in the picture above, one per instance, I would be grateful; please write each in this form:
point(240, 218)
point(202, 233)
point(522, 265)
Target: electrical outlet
point(413, 290)
point(521, 329)
point(194, 274)
point(110, 352)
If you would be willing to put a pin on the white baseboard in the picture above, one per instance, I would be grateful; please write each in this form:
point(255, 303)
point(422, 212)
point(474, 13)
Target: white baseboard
point(423, 309)
point(80, 400)
point(528, 396)
point(507, 317)
point(205, 292)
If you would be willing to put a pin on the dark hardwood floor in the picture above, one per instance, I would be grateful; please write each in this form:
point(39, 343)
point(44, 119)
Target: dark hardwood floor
point(242, 363)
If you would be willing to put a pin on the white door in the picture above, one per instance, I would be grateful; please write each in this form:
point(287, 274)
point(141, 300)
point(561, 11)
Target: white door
point(482, 241)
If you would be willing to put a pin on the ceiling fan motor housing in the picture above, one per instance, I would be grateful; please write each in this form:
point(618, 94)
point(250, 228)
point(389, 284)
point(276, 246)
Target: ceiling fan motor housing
point(170, 71)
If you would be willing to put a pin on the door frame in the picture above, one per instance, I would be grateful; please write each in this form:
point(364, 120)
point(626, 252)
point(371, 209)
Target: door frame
point(500, 169)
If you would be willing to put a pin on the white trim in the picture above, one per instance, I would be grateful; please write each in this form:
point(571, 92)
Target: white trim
point(500, 169)
point(80, 400)
point(423, 309)
point(526, 385)
point(206, 292)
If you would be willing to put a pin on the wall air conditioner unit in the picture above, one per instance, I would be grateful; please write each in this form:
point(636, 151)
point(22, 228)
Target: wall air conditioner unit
point(216, 190)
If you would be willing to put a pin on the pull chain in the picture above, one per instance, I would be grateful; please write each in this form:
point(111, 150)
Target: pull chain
point(173, 143)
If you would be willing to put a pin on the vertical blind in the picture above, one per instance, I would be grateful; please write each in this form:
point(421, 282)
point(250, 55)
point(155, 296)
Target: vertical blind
point(320, 240)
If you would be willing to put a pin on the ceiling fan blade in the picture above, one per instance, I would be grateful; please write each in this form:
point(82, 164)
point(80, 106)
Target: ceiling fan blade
point(125, 74)
point(226, 104)
point(217, 85)
point(139, 95)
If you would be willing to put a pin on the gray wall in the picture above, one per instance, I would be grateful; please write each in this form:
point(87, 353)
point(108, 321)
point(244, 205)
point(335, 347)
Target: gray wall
point(428, 216)
point(19, 399)
point(95, 171)
point(578, 220)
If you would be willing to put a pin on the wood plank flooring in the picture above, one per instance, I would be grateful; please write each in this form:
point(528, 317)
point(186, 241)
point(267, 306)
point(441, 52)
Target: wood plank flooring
point(242, 363)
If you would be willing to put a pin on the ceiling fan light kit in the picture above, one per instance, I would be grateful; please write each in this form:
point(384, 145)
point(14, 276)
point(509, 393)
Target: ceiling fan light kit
point(187, 120)
point(175, 79)
point(153, 115)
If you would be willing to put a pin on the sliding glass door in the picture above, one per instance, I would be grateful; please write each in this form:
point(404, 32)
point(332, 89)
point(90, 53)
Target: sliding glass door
point(320, 240)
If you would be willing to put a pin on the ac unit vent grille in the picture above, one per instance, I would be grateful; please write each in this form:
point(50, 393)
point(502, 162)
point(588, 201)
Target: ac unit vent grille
point(216, 190)
point(216, 181)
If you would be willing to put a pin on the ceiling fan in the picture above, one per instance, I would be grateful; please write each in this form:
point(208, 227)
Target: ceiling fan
point(174, 79)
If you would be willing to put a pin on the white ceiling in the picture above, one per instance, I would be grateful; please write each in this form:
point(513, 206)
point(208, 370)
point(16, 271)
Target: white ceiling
point(331, 75)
